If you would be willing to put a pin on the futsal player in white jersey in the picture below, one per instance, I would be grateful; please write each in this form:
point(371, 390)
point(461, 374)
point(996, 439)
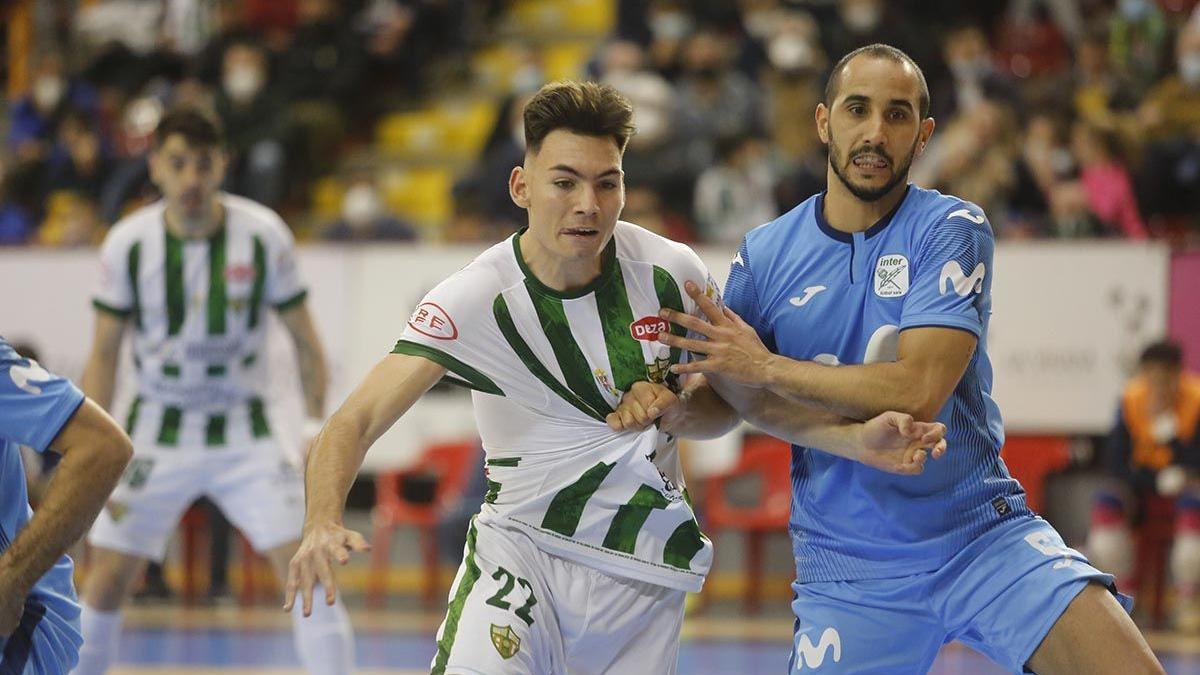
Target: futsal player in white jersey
point(580, 557)
point(193, 278)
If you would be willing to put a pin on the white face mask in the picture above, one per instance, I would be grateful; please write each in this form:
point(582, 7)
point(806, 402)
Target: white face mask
point(360, 205)
point(1189, 68)
point(1134, 9)
point(48, 91)
point(790, 53)
point(862, 18)
point(670, 25)
point(243, 83)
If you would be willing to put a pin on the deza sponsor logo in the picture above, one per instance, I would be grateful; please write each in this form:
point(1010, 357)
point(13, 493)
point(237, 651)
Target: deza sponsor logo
point(433, 321)
point(647, 328)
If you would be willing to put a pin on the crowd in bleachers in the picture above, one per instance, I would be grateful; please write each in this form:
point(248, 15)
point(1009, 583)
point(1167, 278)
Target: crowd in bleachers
point(400, 119)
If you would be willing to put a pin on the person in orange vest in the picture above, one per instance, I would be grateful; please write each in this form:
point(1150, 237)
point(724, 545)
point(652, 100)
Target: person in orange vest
point(1154, 449)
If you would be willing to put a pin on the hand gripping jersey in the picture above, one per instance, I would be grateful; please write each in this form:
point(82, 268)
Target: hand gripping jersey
point(198, 309)
point(546, 367)
point(34, 407)
point(815, 293)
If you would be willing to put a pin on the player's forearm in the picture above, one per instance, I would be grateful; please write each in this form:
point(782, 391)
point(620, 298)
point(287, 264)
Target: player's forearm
point(792, 421)
point(701, 414)
point(859, 392)
point(100, 377)
point(82, 483)
point(333, 463)
point(314, 378)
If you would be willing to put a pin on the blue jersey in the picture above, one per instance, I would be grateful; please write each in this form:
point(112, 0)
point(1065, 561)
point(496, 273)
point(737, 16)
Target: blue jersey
point(818, 294)
point(34, 407)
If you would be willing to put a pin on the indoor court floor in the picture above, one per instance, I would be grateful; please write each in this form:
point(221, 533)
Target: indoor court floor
point(236, 641)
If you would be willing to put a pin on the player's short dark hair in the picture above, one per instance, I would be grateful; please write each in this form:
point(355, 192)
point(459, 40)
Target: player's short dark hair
point(878, 51)
point(198, 128)
point(587, 108)
point(1163, 353)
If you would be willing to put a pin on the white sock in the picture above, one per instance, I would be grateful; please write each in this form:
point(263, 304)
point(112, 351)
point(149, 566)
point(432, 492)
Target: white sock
point(325, 640)
point(101, 635)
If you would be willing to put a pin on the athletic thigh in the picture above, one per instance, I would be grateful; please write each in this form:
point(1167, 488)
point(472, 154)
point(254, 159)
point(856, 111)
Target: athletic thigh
point(261, 492)
point(499, 621)
point(1005, 593)
point(876, 627)
point(143, 510)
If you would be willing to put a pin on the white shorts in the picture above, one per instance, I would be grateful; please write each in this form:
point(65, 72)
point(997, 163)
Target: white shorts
point(516, 610)
point(255, 485)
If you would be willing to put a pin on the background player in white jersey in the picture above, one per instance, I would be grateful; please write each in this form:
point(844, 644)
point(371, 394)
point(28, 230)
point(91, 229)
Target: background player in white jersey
point(896, 282)
point(39, 615)
point(193, 276)
point(581, 555)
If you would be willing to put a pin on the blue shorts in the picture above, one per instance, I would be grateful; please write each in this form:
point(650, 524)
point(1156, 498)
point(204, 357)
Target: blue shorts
point(45, 642)
point(1000, 595)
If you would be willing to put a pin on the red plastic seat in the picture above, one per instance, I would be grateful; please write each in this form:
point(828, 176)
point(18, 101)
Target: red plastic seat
point(1031, 459)
point(769, 459)
point(448, 465)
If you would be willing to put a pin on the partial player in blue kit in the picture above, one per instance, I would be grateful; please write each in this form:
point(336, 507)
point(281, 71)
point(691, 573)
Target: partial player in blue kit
point(39, 613)
point(876, 295)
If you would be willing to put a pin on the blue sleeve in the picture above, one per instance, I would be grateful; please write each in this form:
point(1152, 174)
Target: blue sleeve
point(741, 295)
point(34, 405)
point(952, 283)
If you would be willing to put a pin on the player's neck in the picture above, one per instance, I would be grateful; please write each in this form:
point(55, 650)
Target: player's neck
point(847, 213)
point(554, 271)
point(195, 228)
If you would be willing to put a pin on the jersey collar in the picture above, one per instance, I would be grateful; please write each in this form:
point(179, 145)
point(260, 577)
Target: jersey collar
point(608, 261)
point(848, 237)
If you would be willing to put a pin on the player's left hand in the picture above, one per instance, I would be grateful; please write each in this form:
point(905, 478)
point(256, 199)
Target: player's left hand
point(896, 443)
point(641, 405)
point(733, 348)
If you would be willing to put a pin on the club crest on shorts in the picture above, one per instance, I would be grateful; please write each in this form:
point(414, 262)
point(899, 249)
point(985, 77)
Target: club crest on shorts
point(506, 641)
point(891, 276)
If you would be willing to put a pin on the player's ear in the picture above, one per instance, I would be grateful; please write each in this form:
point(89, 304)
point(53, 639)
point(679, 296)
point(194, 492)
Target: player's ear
point(518, 189)
point(822, 118)
point(925, 133)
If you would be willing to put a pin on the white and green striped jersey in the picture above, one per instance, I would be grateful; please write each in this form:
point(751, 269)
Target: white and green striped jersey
point(198, 312)
point(546, 367)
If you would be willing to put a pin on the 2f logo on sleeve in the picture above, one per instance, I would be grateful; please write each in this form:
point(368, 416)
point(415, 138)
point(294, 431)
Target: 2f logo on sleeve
point(432, 321)
point(891, 276)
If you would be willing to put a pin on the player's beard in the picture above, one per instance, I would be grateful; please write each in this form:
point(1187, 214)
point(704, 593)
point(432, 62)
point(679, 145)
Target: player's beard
point(866, 194)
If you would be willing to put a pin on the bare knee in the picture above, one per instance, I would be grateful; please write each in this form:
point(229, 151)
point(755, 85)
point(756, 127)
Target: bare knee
point(110, 578)
point(1094, 635)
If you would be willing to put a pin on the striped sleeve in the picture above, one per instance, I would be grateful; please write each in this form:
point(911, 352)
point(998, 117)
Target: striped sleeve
point(119, 262)
point(951, 283)
point(741, 295)
point(285, 288)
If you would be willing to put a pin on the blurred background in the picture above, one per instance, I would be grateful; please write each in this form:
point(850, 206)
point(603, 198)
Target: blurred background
point(1074, 123)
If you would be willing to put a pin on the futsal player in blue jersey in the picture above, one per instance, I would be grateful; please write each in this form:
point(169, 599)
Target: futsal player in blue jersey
point(39, 614)
point(875, 295)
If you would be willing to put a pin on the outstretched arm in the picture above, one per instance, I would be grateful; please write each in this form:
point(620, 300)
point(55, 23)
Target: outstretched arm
point(929, 363)
point(388, 391)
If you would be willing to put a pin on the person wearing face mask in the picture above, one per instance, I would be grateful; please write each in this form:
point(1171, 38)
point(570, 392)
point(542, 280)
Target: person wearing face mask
point(35, 117)
point(972, 77)
point(862, 22)
point(1169, 121)
point(364, 216)
point(252, 114)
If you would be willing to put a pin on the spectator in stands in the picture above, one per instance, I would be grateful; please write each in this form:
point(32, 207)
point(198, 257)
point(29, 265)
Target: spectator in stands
point(792, 82)
point(863, 22)
point(16, 224)
point(973, 77)
point(34, 118)
point(80, 163)
point(1139, 42)
point(1099, 95)
point(1154, 453)
point(483, 192)
point(252, 113)
point(1105, 178)
point(1169, 120)
point(320, 70)
point(365, 217)
point(736, 194)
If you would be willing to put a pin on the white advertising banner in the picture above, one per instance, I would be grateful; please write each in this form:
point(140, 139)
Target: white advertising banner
point(1068, 320)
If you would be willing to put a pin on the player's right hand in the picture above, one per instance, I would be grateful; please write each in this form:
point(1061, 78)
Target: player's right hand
point(896, 443)
point(640, 406)
point(322, 545)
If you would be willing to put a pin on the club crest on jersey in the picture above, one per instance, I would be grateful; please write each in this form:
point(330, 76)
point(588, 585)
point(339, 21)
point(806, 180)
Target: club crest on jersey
point(891, 276)
point(602, 379)
point(506, 641)
point(432, 321)
point(657, 372)
point(647, 328)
